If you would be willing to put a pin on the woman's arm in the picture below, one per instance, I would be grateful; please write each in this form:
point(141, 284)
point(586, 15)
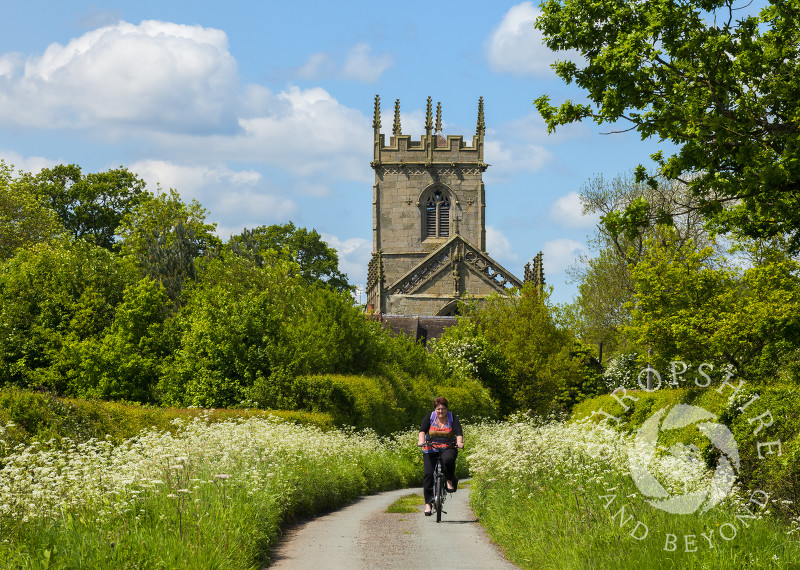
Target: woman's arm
point(460, 441)
point(421, 439)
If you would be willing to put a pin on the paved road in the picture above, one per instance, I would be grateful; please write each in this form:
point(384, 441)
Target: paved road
point(364, 536)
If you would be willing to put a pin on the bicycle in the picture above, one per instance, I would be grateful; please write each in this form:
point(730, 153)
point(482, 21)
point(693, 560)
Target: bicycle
point(439, 481)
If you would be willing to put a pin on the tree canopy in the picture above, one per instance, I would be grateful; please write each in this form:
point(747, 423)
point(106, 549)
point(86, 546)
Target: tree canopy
point(606, 287)
point(24, 221)
point(695, 306)
point(166, 235)
point(318, 262)
point(91, 206)
point(704, 75)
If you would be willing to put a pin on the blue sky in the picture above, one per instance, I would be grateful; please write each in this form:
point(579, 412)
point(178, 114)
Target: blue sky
point(262, 111)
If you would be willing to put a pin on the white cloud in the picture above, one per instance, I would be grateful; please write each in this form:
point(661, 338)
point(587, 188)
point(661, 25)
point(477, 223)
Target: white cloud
point(559, 254)
point(319, 65)
point(159, 75)
point(354, 255)
point(499, 246)
point(359, 64)
point(176, 88)
point(253, 209)
point(32, 164)
point(9, 64)
point(568, 211)
point(229, 194)
point(304, 131)
point(523, 145)
point(509, 155)
point(517, 47)
point(191, 179)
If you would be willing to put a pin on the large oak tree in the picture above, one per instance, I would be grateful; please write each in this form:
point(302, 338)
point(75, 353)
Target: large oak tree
point(710, 76)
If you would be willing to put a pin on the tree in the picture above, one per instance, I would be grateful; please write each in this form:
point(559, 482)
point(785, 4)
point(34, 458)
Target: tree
point(53, 297)
point(246, 332)
point(318, 262)
point(721, 85)
point(465, 350)
point(166, 236)
point(23, 220)
point(91, 206)
point(125, 362)
point(537, 350)
point(694, 306)
point(606, 288)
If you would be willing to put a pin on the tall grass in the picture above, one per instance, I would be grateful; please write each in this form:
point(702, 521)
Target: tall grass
point(560, 495)
point(211, 495)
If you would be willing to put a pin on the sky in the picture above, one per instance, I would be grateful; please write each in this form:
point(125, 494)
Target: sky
point(262, 111)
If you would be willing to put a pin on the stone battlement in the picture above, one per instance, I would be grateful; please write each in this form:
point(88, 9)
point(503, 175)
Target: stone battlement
point(432, 149)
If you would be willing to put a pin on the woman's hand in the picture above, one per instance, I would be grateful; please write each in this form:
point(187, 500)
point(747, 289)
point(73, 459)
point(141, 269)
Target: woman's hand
point(421, 439)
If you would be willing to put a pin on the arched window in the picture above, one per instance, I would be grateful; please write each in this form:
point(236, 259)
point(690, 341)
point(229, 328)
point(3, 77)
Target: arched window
point(437, 214)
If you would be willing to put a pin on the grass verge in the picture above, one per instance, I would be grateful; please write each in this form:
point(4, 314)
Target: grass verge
point(560, 496)
point(202, 495)
point(408, 504)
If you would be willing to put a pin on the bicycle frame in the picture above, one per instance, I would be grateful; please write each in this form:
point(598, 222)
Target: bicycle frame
point(439, 481)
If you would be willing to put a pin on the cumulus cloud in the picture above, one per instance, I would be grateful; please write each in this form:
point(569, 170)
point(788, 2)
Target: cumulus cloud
point(230, 194)
point(155, 74)
point(31, 164)
point(523, 145)
point(515, 155)
point(354, 255)
point(516, 47)
point(359, 64)
point(567, 210)
point(177, 88)
point(499, 246)
point(305, 131)
point(561, 253)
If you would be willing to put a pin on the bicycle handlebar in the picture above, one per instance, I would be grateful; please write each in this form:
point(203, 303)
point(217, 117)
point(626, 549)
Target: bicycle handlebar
point(450, 443)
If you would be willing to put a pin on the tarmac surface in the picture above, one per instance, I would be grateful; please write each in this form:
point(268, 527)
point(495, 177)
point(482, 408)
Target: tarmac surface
point(364, 536)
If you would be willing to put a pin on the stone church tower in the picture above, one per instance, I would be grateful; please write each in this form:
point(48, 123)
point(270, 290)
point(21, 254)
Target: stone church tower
point(429, 225)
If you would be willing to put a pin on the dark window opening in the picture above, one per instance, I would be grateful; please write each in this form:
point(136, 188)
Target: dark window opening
point(437, 215)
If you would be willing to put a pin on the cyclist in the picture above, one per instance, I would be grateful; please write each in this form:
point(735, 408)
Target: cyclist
point(440, 424)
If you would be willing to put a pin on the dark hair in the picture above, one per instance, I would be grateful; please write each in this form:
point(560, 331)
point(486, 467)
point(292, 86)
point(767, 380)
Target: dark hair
point(440, 401)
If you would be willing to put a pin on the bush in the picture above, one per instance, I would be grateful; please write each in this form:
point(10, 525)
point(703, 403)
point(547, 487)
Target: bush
point(358, 401)
point(778, 475)
point(374, 402)
point(27, 416)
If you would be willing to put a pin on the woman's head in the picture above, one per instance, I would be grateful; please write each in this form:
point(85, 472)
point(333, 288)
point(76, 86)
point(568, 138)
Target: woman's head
point(440, 401)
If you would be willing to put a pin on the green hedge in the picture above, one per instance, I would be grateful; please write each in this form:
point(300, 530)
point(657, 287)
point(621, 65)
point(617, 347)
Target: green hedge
point(778, 475)
point(387, 404)
point(27, 416)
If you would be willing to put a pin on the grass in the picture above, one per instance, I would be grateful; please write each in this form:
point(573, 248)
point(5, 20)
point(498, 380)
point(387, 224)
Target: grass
point(560, 496)
point(209, 495)
point(407, 504)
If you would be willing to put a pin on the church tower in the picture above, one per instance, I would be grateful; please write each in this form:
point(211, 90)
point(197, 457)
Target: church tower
point(429, 226)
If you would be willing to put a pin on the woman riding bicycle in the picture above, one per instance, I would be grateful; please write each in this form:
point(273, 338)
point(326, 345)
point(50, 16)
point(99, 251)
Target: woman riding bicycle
point(446, 429)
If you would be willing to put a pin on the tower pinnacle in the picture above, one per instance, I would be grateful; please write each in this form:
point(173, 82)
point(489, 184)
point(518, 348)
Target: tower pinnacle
point(396, 128)
point(481, 128)
point(376, 119)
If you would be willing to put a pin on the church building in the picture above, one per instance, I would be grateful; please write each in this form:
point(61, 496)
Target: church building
point(429, 222)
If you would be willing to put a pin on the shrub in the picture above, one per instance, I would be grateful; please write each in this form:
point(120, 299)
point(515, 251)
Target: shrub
point(774, 474)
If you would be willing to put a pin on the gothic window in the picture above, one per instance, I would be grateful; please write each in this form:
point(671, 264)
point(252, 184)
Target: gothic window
point(437, 214)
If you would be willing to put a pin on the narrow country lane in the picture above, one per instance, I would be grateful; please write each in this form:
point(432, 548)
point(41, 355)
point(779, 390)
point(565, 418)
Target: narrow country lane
point(364, 536)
